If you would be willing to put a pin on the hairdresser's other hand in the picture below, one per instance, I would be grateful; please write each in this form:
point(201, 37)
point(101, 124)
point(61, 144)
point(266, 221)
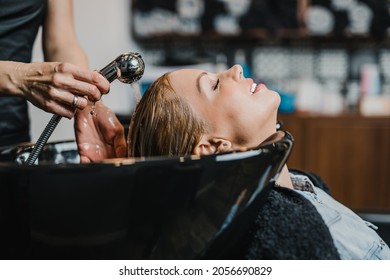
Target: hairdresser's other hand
point(101, 136)
point(52, 86)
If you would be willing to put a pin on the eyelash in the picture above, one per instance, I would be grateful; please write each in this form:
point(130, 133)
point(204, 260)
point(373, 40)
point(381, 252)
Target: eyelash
point(216, 85)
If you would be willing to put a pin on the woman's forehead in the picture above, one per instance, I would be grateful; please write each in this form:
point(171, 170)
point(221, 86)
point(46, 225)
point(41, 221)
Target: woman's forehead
point(185, 73)
point(185, 79)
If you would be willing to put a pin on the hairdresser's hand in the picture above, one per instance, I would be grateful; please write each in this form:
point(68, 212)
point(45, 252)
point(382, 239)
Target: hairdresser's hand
point(52, 86)
point(101, 136)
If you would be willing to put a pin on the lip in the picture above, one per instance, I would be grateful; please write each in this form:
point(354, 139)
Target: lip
point(259, 88)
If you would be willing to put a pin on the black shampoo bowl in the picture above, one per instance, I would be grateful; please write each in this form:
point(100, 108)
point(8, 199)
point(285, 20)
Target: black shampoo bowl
point(154, 208)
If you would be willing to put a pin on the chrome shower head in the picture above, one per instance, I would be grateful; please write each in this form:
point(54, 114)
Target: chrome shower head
point(127, 68)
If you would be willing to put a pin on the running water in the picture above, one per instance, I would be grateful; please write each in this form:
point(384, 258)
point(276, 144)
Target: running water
point(137, 92)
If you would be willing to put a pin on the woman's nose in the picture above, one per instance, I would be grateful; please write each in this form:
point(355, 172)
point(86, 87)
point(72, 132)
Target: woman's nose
point(235, 72)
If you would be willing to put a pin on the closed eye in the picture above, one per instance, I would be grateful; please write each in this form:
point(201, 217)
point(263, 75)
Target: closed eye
point(215, 87)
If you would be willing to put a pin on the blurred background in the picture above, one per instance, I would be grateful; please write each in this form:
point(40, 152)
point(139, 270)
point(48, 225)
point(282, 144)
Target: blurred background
point(328, 59)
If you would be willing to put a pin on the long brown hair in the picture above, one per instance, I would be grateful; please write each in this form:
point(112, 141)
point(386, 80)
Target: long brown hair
point(163, 123)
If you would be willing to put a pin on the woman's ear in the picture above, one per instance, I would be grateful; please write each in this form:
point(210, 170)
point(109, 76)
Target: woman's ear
point(212, 146)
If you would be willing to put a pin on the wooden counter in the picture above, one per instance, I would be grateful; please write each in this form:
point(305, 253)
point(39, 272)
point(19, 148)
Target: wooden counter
point(350, 152)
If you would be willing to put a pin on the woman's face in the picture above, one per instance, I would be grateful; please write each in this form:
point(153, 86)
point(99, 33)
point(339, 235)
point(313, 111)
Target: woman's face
point(235, 107)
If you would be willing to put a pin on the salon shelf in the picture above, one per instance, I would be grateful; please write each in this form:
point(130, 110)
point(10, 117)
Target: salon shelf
point(350, 152)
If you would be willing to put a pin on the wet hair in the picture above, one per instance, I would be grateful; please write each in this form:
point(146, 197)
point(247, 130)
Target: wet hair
point(163, 123)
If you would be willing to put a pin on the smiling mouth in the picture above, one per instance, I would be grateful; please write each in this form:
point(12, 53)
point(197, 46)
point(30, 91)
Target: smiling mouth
point(253, 88)
point(257, 88)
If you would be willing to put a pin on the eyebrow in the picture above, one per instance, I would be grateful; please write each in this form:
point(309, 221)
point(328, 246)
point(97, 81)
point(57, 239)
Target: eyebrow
point(198, 80)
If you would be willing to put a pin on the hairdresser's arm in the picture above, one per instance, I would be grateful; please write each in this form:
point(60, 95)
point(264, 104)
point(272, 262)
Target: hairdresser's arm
point(59, 38)
point(52, 86)
point(98, 137)
point(60, 43)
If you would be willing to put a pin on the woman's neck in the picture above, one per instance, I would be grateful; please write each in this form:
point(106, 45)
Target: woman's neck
point(284, 179)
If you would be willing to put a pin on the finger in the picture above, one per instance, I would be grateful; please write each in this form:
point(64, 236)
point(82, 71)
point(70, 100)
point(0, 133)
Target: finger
point(90, 77)
point(121, 149)
point(60, 109)
point(93, 78)
point(79, 102)
point(101, 82)
point(67, 98)
point(50, 100)
point(69, 83)
point(120, 144)
point(84, 159)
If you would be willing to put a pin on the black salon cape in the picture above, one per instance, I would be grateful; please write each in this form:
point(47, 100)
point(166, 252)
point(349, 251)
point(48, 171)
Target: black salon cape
point(287, 227)
point(290, 227)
